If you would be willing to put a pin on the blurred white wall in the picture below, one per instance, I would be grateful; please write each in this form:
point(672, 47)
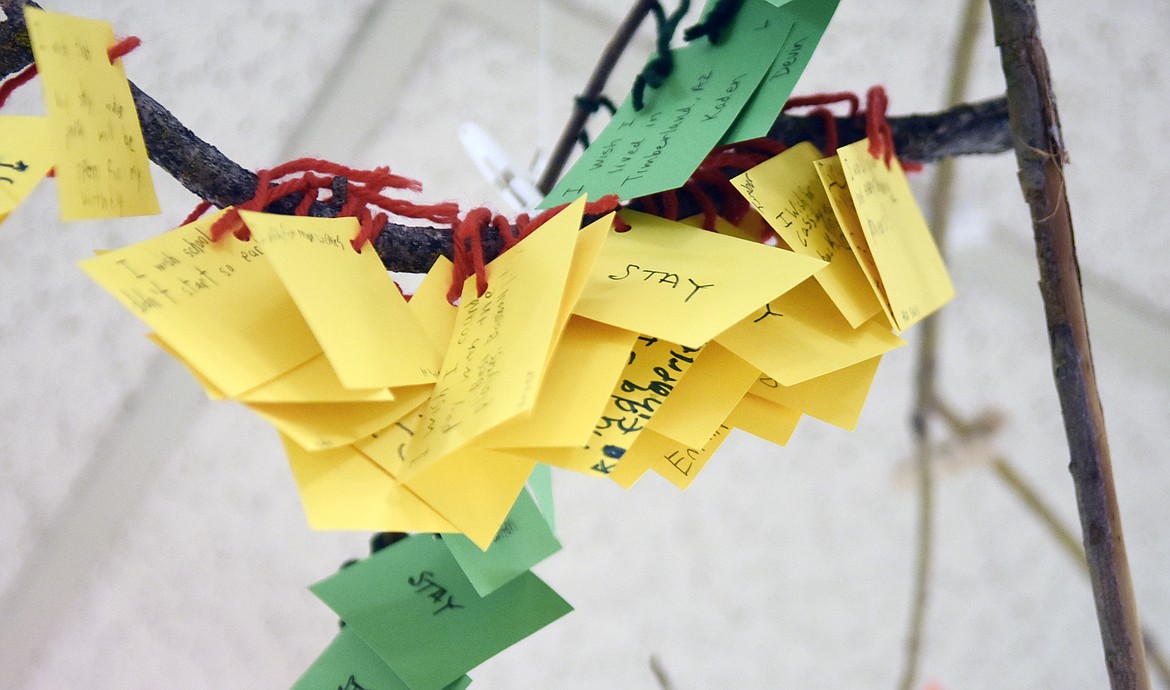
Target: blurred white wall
point(155, 539)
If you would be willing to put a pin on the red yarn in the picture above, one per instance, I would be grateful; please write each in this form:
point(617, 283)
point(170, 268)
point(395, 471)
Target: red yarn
point(467, 252)
point(19, 79)
point(877, 127)
point(25, 75)
point(197, 213)
point(825, 99)
point(122, 47)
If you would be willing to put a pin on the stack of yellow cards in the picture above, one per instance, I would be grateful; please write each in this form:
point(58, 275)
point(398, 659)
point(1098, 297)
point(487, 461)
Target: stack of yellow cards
point(595, 351)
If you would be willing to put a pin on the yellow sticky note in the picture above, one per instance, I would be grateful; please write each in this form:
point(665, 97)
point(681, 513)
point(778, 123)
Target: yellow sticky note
point(387, 447)
point(315, 381)
point(912, 271)
point(787, 192)
point(429, 305)
point(833, 182)
point(764, 419)
point(576, 387)
point(473, 488)
point(713, 387)
point(102, 166)
point(589, 242)
point(341, 489)
point(678, 283)
point(836, 398)
point(349, 300)
point(25, 157)
point(801, 335)
point(680, 464)
point(494, 365)
point(320, 426)
point(220, 305)
point(655, 367)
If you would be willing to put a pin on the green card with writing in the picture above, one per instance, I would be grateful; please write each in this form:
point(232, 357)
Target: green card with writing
point(803, 22)
point(524, 540)
point(412, 604)
point(657, 148)
point(349, 664)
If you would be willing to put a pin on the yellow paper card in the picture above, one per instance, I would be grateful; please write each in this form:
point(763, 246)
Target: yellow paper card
point(496, 360)
point(473, 488)
point(912, 271)
point(576, 387)
point(641, 456)
point(801, 335)
point(764, 419)
point(102, 165)
point(752, 228)
point(320, 426)
point(682, 284)
point(26, 154)
point(655, 367)
point(680, 464)
point(787, 192)
point(836, 398)
point(314, 381)
point(387, 447)
point(430, 307)
point(713, 387)
point(589, 242)
point(348, 299)
point(833, 182)
point(220, 305)
point(343, 490)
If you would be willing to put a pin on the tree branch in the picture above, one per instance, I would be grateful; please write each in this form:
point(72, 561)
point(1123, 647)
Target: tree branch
point(1041, 155)
point(201, 168)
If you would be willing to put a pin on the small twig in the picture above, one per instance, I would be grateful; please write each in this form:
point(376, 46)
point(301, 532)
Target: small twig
point(660, 674)
point(593, 88)
point(925, 393)
point(1041, 155)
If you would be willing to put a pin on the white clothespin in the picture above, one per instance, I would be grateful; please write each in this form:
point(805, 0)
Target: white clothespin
point(516, 186)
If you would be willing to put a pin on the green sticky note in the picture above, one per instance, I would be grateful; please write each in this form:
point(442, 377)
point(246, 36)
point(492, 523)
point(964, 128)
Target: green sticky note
point(540, 484)
point(412, 604)
point(804, 23)
point(524, 540)
point(349, 664)
point(658, 147)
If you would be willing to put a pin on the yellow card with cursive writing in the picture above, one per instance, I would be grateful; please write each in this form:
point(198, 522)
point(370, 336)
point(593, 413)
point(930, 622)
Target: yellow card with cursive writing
point(905, 255)
point(787, 192)
point(102, 166)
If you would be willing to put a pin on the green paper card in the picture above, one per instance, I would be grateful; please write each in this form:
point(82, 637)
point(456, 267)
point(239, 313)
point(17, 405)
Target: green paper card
point(805, 22)
point(657, 148)
point(540, 484)
point(412, 604)
point(524, 540)
point(348, 664)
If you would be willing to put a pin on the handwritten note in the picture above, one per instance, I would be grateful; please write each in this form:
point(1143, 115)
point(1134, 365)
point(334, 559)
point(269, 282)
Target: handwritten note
point(806, 21)
point(655, 367)
point(679, 464)
point(905, 255)
point(349, 664)
point(220, 305)
point(102, 166)
point(788, 193)
point(836, 398)
point(801, 335)
point(496, 360)
point(524, 540)
point(682, 284)
point(351, 304)
point(412, 605)
point(318, 426)
point(25, 157)
point(658, 147)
